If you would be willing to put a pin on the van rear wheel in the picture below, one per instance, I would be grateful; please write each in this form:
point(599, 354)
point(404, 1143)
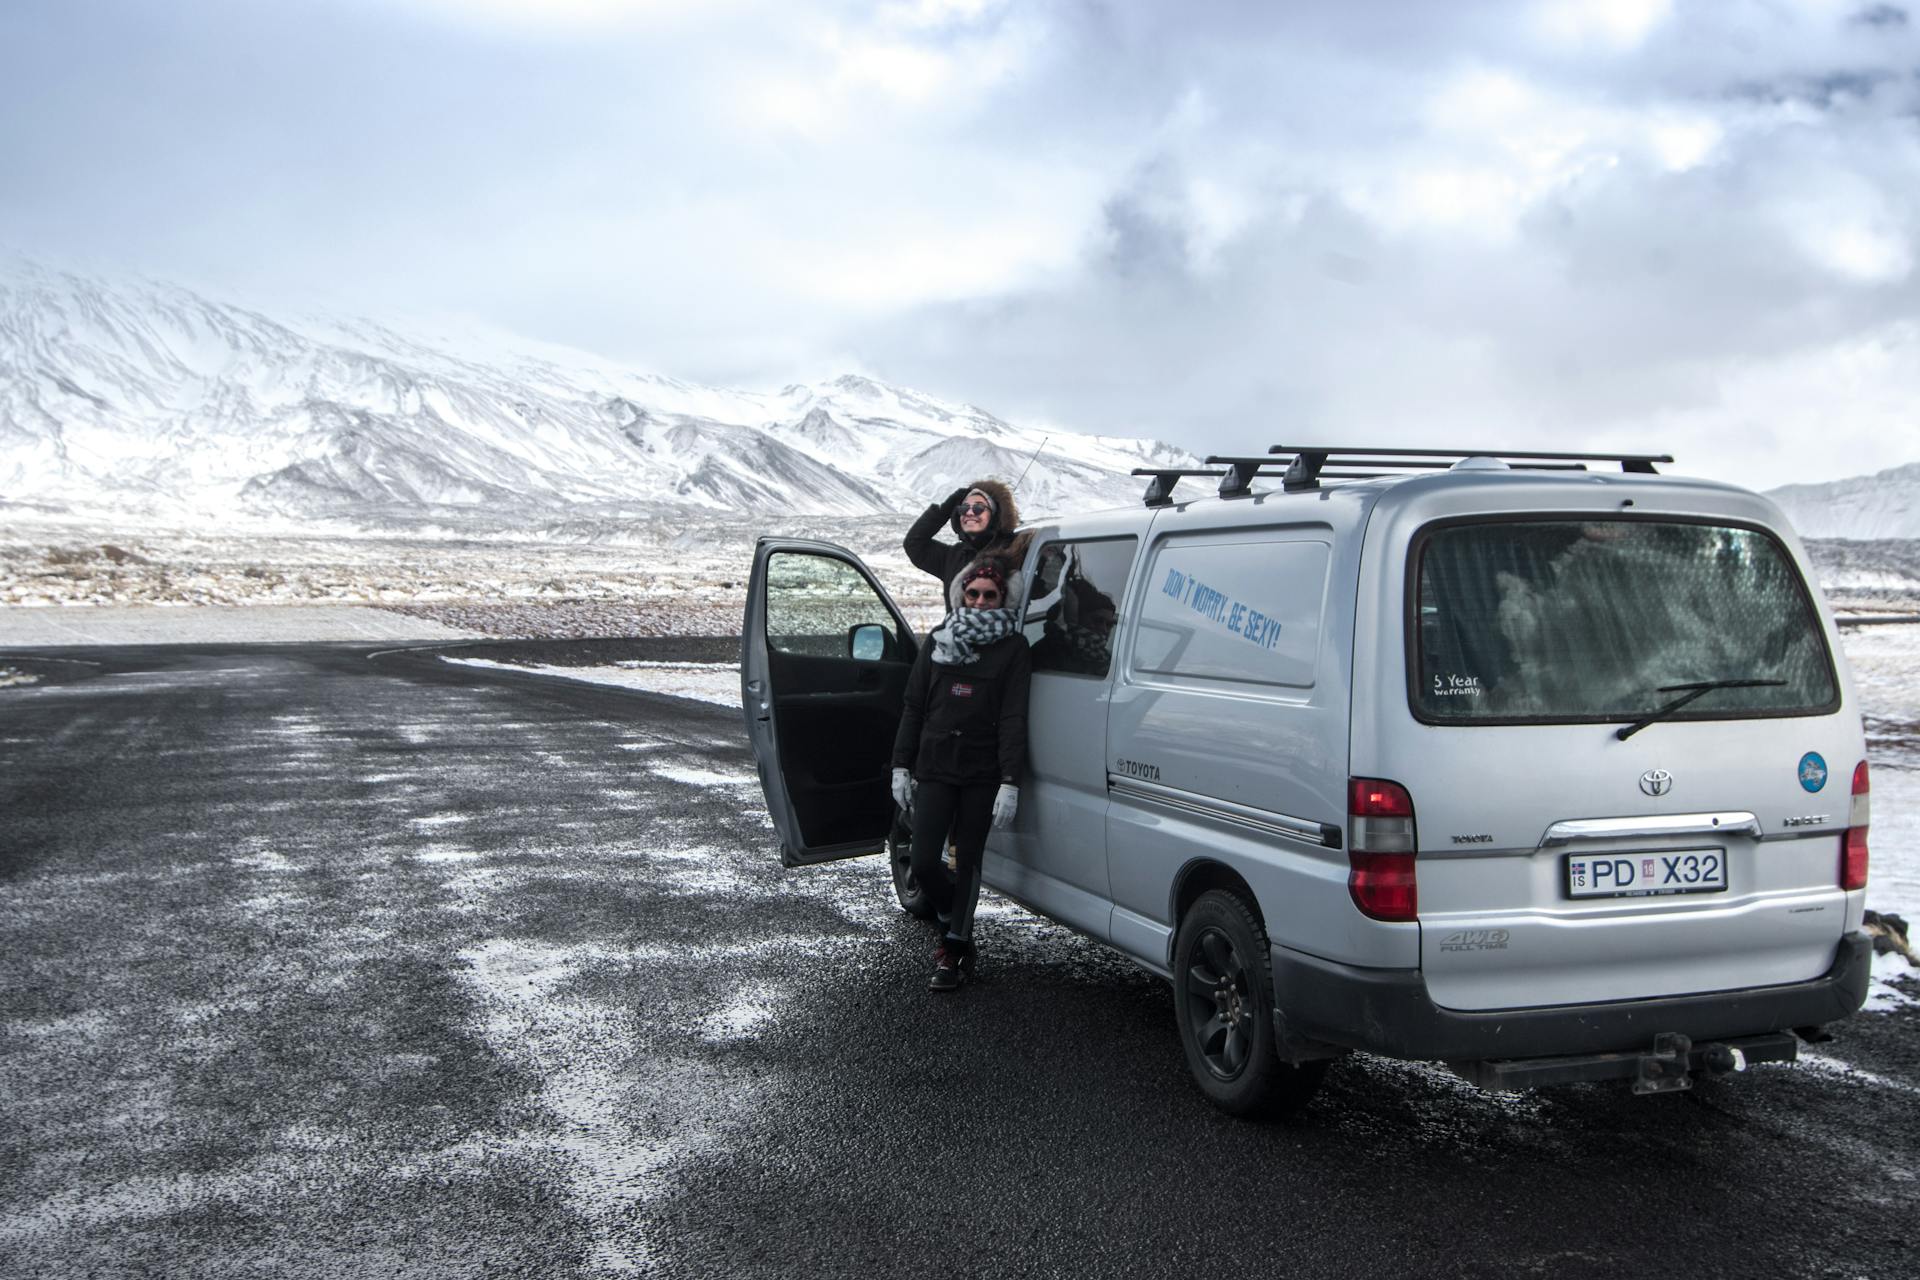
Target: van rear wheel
point(906, 886)
point(1223, 1001)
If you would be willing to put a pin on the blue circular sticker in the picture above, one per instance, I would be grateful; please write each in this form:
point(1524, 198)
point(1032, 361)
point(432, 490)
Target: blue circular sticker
point(1813, 771)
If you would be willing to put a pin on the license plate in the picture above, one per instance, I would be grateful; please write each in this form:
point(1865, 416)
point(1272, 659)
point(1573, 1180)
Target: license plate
point(1646, 875)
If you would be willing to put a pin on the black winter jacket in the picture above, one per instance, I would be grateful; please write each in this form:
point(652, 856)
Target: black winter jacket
point(944, 559)
point(967, 724)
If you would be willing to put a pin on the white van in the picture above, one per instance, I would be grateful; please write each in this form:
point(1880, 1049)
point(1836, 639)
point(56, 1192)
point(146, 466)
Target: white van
point(1548, 774)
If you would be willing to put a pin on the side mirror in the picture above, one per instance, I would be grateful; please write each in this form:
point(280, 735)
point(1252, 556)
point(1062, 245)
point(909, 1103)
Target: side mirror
point(867, 642)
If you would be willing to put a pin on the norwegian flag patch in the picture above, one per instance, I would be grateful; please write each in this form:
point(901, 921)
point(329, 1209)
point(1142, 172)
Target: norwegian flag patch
point(959, 690)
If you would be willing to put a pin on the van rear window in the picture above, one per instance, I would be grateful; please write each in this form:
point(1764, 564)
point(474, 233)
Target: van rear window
point(1520, 622)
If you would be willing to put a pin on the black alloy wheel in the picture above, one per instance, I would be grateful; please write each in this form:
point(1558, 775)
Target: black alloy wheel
point(1223, 999)
point(906, 886)
point(1219, 1011)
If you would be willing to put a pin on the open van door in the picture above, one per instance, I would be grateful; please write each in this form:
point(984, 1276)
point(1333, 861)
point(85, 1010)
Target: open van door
point(824, 657)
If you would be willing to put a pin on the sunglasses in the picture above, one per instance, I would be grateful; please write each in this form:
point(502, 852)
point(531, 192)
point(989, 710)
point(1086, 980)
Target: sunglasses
point(988, 594)
point(974, 508)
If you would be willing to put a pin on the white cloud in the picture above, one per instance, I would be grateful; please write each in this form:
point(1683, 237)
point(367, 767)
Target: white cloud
point(844, 79)
point(1617, 25)
point(1824, 412)
point(958, 262)
point(1681, 141)
point(568, 16)
point(938, 13)
point(1848, 226)
point(1408, 219)
point(1868, 254)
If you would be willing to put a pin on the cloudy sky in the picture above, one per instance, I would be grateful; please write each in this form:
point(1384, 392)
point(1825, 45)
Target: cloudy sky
point(1637, 224)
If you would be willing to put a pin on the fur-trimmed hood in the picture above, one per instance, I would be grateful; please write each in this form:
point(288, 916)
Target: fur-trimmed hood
point(1006, 515)
point(1010, 555)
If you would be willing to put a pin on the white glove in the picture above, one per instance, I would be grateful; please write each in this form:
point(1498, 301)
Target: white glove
point(1005, 801)
point(902, 789)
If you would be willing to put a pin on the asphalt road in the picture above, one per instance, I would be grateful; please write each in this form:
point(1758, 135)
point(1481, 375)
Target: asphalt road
point(316, 963)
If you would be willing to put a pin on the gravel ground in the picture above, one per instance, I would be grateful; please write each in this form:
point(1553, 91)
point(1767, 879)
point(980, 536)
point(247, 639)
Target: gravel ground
point(319, 963)
point(582, 619)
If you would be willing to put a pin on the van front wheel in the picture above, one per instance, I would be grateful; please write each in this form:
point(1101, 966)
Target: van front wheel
point(1223, 1000)
point(906, 886)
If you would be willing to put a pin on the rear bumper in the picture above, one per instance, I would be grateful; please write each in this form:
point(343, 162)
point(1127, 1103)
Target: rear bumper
point(1388, 1011)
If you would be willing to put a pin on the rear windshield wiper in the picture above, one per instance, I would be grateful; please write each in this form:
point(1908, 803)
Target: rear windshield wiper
point(1693, 689)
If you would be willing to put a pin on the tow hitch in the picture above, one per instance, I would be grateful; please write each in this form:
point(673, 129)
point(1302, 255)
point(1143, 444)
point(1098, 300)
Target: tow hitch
point(1668, 1067)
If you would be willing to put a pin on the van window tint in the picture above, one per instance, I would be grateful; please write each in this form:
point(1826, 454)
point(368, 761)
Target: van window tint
point(824, 607)
point(1244, 607)
point(1581, 620)
point(1073, 604)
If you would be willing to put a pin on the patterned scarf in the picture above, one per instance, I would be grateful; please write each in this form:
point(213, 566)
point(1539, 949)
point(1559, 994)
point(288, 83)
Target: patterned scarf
point(956, 640)
point(1087, 644)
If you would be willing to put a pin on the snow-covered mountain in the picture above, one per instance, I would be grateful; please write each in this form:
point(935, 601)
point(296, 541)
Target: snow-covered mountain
point(1885, 504)
point(154, 402)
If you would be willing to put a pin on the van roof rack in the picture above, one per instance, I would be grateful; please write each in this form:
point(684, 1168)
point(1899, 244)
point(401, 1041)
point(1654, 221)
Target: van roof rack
point(1305, 466)
point(1160, 488)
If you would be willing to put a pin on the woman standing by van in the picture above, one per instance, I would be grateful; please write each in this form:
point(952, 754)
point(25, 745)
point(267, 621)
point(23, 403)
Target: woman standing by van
point(983, 516)
point(960, 749)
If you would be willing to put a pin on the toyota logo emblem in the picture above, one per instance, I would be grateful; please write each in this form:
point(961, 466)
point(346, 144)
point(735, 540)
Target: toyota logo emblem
point(1656, 782)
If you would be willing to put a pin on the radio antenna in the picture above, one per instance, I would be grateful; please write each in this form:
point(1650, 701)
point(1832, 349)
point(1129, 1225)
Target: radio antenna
point(1030, 461)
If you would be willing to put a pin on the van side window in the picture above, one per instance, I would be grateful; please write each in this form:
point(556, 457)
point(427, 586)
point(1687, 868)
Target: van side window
point(1074, 603)
point(1242, 606)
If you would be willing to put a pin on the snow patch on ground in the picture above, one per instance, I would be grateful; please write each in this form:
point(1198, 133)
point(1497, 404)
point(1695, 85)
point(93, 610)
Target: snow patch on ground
point(1886, 675)
point(1825, 1065)
point(745, 1015)
point(90, 1026)
point(703, 777)
point(1529, 1103)
point(266, 860)
point(574, 1045)
point(1882, 995)
point(171, 623)
point(768, 948)
point(706, 880)
point(715, 682)
point(444, 853)
point(1893, 843)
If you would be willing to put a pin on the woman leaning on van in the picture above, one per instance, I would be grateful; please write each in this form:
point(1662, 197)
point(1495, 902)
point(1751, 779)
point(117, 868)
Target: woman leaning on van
point(960, 749)
point(983, 517)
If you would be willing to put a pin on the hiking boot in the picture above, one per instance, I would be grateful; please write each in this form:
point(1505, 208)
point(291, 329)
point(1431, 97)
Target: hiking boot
point(947, 970)
point(966, 952)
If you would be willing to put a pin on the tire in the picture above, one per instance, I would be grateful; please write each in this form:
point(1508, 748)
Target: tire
point(905, 887)
point(1223, 1003)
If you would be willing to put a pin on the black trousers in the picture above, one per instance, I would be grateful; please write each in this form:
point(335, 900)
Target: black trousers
point(965, 812)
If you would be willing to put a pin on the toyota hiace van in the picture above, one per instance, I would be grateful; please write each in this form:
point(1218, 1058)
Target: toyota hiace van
point(1547, 773)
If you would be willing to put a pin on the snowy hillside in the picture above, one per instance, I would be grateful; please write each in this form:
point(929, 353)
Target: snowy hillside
point(150, 401)
point(1883, 505)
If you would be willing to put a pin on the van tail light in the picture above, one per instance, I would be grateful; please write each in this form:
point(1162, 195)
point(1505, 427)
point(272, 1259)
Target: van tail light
point(1853, 845)
point(1380, 848)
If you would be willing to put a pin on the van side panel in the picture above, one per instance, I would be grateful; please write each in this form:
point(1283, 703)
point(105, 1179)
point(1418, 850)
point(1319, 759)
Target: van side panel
point(1054, 857)
point(1227, 732)
point(1056, 861)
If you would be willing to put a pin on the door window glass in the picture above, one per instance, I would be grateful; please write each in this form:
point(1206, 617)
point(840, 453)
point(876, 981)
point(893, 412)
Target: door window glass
point(1571, 620)
point(823, 607)
point(1074, 604)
